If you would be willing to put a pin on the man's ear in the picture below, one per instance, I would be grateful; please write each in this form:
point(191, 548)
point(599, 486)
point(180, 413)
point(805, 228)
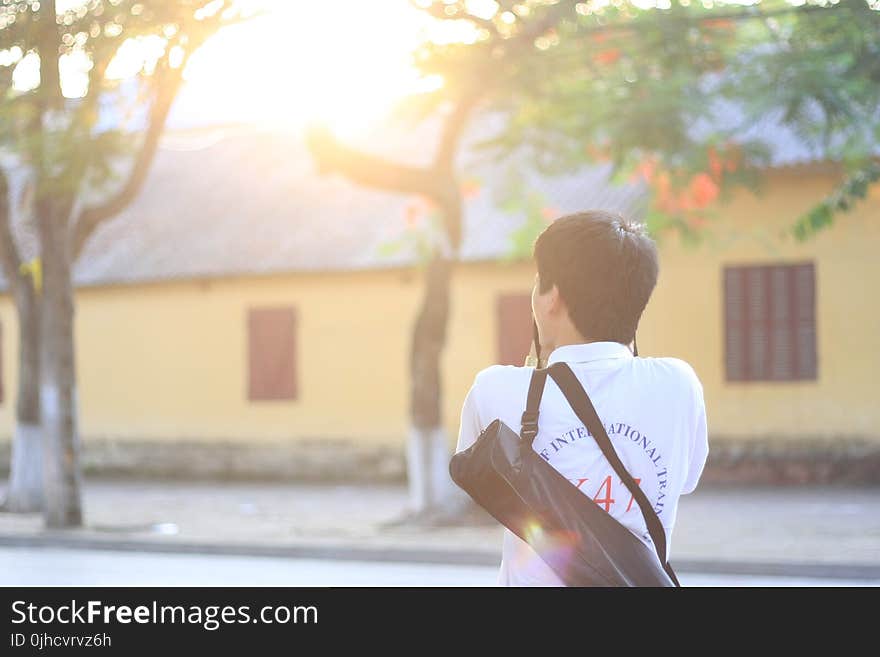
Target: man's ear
point(556, 304)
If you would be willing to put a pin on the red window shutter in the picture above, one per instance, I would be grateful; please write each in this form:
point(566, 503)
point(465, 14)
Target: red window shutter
point(735, 324)
point(769, 322)
point(271, 354)
point(804, 301)
point(514, 313)
point(782, 353)
point(757, 309)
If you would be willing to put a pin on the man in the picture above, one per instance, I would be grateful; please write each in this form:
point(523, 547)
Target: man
point(595, 273)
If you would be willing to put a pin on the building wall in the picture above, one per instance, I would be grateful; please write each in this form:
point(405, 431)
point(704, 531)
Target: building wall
point(168, 361)
point(685, 316)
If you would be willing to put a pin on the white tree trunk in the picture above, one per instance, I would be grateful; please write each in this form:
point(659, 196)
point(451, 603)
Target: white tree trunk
point(61, 472)
point(58, 393)
point(427, 463)
point(25, 492)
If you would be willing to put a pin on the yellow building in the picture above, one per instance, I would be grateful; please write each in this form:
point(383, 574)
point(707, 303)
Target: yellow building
point(244, 318)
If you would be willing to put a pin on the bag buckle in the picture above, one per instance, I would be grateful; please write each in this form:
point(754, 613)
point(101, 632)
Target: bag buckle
point(529, 425)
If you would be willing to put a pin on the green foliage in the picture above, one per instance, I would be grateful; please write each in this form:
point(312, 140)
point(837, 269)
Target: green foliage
point(848, 193)
point(533, 206)
point(584, 82)
point(515, 197)
point(81, 142)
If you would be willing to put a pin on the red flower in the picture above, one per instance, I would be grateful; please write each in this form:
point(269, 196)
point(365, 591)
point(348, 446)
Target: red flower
point(646, 169)
point(608, 57)
point(724, 24)
point(470, 188)
point(703, 190)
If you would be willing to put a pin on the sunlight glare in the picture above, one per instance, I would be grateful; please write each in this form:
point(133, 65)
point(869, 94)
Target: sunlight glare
point(343, 64)
point(26, 74)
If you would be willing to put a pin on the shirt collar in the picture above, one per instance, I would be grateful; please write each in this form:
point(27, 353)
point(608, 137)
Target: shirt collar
point(588, 351)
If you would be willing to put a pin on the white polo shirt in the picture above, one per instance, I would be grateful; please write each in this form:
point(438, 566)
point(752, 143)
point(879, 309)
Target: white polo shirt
point(655, 416)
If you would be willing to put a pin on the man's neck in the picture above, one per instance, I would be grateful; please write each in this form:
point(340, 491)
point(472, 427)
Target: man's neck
point(546, 350)
point(566, 339)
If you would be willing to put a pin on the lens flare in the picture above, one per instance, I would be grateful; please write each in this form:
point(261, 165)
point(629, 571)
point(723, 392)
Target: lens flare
point(555, 548)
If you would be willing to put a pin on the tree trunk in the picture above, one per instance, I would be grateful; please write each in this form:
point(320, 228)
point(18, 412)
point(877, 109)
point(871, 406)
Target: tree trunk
point(431, 488)
point(427, 450)
point(58, 397)
point(25, 492)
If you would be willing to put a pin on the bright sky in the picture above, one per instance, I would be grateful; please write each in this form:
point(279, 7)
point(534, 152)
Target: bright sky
point(344, 63)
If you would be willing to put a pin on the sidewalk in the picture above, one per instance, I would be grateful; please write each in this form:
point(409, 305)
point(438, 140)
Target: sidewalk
point(824, 531)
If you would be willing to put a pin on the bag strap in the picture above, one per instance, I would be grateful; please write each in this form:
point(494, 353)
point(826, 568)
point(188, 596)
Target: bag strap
point(580, 401)
point(529, 428)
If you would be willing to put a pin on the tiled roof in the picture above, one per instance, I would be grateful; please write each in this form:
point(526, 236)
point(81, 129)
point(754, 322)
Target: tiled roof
point(233, 202)
point(227, 200)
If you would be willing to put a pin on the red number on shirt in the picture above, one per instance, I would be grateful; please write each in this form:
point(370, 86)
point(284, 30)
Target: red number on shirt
point(606, 487)
point(632, 497)
point(607, 500)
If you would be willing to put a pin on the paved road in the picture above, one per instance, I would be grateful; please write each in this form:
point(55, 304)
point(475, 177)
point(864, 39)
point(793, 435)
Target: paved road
point(799, 525)
point(54, 566)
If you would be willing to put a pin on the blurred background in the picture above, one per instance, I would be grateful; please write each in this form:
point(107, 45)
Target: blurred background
point(254, 252)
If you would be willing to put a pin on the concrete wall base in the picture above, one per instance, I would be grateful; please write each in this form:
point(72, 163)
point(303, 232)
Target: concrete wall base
point(808, 462)
point(731, 462)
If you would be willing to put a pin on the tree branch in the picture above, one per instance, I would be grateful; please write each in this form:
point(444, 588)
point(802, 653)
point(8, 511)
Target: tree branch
point(370, 170)
point(437, 181)
point(91, 217)
point(438, 12)
point(48, 43)
point(453, 127)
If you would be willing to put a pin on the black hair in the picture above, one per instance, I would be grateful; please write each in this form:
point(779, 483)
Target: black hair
point(605, 268)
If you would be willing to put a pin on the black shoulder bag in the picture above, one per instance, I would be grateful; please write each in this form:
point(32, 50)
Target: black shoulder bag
point(580, 541)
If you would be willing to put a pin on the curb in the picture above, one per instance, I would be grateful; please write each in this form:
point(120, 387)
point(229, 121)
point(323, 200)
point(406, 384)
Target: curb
point(427, 556)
